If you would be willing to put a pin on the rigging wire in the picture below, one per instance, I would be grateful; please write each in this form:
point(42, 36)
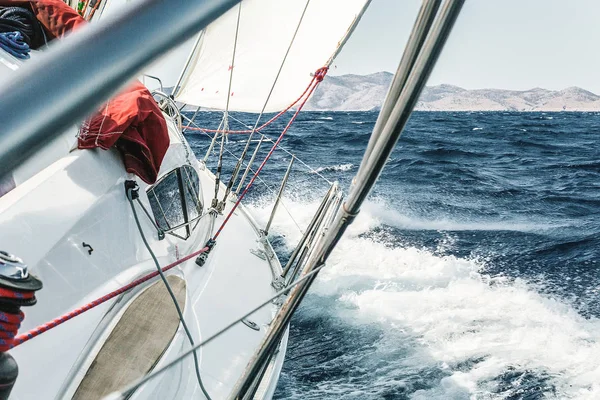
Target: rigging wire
point(237, 168)
point(168, 287)
point(212, 143)
point(205, 132)
point(260, 128)
point(237, 31)
point(261, 180)
point(311, 169)
point(215, 201)
point(133, 386)
point(317, 78)
point(348, 215)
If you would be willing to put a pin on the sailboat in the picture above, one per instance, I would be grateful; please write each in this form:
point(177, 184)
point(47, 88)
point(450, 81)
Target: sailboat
point(161, 284)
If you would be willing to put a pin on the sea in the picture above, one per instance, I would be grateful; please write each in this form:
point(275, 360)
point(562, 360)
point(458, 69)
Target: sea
point(471, 271)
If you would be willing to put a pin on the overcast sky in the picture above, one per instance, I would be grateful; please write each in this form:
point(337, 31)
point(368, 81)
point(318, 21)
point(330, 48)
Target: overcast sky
point(507, 44)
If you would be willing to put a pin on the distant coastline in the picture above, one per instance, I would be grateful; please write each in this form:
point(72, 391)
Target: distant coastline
point(366, 92)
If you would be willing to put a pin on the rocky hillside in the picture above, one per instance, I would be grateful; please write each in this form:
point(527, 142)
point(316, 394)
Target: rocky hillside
point(351, 92)
point(362, 93)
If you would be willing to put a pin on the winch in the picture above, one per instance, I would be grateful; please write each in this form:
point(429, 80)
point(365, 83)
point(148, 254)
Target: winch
point(17, 289)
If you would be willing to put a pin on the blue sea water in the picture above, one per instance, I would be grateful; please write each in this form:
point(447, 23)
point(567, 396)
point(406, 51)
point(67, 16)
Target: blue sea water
point(472, 270)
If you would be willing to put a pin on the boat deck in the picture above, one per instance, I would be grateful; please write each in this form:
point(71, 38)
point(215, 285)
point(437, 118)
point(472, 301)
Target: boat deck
point(232, 281)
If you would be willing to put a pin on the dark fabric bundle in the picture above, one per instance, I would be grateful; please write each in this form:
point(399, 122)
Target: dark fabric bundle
point(21, 19)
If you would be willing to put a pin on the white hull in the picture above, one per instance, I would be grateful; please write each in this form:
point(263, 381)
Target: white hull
point(79, 197)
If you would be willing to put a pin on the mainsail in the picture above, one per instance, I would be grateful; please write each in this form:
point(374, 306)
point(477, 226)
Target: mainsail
point(266, 29)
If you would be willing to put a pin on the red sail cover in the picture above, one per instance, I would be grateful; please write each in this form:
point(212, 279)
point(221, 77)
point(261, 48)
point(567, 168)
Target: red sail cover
point(131, 121)
point(134, 124)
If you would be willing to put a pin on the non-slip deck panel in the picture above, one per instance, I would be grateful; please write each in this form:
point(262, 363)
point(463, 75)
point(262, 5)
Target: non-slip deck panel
point(137, 341)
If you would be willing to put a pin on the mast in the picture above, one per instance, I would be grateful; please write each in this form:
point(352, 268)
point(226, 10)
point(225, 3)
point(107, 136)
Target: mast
point(414, 45)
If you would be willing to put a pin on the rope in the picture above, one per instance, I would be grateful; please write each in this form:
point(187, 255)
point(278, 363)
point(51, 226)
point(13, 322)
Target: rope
point(15, 294)
point(9, 326)
point(207, 131)
point(273, 191)
point(168, 286)
point(317, 78)
point(14, 43)
point(80, 310)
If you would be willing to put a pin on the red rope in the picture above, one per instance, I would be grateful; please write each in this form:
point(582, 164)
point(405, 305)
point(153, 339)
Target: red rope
point(15, 294)
point(269, 122)
point(70, 315)
point(9, 326)
point(317, 78)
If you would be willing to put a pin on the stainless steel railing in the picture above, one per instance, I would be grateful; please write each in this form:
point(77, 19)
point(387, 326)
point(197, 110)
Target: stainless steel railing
point(401, 101)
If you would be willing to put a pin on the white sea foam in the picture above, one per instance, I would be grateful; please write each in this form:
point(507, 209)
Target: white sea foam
point(339, 168)
point(477, 129)
point(453, 310)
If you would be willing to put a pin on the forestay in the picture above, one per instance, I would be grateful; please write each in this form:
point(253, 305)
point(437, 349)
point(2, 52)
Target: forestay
point(265, 32)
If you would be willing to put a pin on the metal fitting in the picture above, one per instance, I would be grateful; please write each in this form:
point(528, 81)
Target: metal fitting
point(12, 267)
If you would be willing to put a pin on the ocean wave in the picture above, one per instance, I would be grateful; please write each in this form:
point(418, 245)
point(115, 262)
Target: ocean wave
point(381, 213)
point(332, 168)
point(475, 330)
point(471, 275)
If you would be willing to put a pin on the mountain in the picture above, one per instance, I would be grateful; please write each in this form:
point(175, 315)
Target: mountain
point(351, 92)
point(366, 92)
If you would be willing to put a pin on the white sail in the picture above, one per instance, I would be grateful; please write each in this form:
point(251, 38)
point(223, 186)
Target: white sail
point(265, 32)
